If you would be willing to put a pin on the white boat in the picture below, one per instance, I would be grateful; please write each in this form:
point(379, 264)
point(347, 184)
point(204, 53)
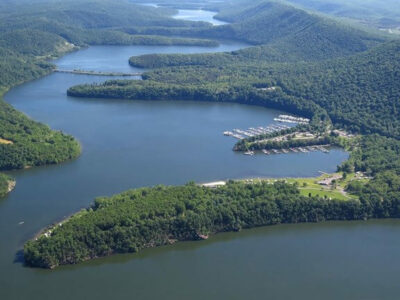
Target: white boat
point(266, 152)
point(251, 153)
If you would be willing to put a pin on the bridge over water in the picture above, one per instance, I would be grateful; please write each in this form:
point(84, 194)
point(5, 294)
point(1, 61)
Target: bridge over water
point(97, 73)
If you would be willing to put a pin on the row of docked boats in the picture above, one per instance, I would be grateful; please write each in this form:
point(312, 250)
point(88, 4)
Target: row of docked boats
point(291, 119)
point(255, 131)
point(323, 148)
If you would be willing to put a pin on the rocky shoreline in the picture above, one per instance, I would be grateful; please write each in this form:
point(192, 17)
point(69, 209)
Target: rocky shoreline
point(11, 185)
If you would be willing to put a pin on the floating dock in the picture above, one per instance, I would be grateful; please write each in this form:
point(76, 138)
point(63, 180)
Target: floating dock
point(291, 119)
point(307, 149)
point(241, 134)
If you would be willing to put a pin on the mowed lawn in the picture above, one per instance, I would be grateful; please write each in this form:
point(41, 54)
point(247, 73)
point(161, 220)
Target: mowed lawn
point(311, 186)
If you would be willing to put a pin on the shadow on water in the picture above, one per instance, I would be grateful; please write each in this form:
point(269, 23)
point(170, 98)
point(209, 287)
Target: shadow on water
point(19, 257)
point(4, 198)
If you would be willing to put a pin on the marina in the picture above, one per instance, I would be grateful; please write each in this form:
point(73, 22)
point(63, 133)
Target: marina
point(250, 132)
point(292, 119)
point(322, 148)
point(241, 134)
point(168, 135)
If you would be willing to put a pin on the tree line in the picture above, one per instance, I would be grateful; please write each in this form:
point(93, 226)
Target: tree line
point(150, 217)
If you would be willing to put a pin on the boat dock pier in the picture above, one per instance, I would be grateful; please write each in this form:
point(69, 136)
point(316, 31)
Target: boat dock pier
point(97, 73)
point(307, 149)
point(292, 119)
point(241, 134)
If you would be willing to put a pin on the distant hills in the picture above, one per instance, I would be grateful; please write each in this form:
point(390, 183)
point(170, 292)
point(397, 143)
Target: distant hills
point(360, 92)
point(318, 63)
point(295, 32)
point(377, 13)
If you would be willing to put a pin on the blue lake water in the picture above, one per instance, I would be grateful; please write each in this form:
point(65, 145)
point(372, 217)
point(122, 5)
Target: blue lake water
point(199, 15)
point(128, 144)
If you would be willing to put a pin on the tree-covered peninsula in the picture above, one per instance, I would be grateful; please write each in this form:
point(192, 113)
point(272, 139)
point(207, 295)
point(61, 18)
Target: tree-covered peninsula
point(150, 217)
point(358, 92)
point(355, 88)
point(31, 33)
point(333, 73)
point(161, 215)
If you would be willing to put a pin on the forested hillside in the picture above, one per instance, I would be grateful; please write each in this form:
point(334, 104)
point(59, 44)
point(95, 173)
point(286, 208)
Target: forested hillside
point(360, 92)
point(380, 14)
point(150, 217)
point(30, 33)
point(303, 63)
point(24, 141)
point(294, 32)
point(281, 32)
point(87, 22)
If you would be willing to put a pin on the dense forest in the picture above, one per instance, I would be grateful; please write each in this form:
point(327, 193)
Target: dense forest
point(284, 33)
point(150, 217)
point(31, 143)
point(359, 92)
point(26, 142)
point(30, 33)
point(161, 215)
point(380, 14)
point(291, 143)
point(88, 23)
point(335, 74)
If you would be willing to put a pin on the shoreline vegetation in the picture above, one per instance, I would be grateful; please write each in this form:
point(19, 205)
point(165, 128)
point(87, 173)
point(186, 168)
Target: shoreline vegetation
point(365, 187)
point(334, 74)
point(45, 146)
point(7, 184)
point(55, 30)
point(298, 88)
point(26, 143)
point(163, 215)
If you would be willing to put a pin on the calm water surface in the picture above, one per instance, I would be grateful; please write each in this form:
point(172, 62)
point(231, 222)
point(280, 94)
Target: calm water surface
point(115, 58)
point(129, 144)
point(199, 15)
point(193, 15)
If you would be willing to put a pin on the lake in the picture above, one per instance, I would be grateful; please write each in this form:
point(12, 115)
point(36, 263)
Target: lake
point(128, 144)
point(193, 15)
point(199, 15)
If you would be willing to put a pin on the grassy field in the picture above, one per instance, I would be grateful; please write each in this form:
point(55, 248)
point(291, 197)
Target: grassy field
point(311, 186)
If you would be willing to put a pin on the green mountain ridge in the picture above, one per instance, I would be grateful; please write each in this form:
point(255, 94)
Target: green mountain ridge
point(30, 33)
point(331, 72)
point(360, 92)
point(288, 28)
